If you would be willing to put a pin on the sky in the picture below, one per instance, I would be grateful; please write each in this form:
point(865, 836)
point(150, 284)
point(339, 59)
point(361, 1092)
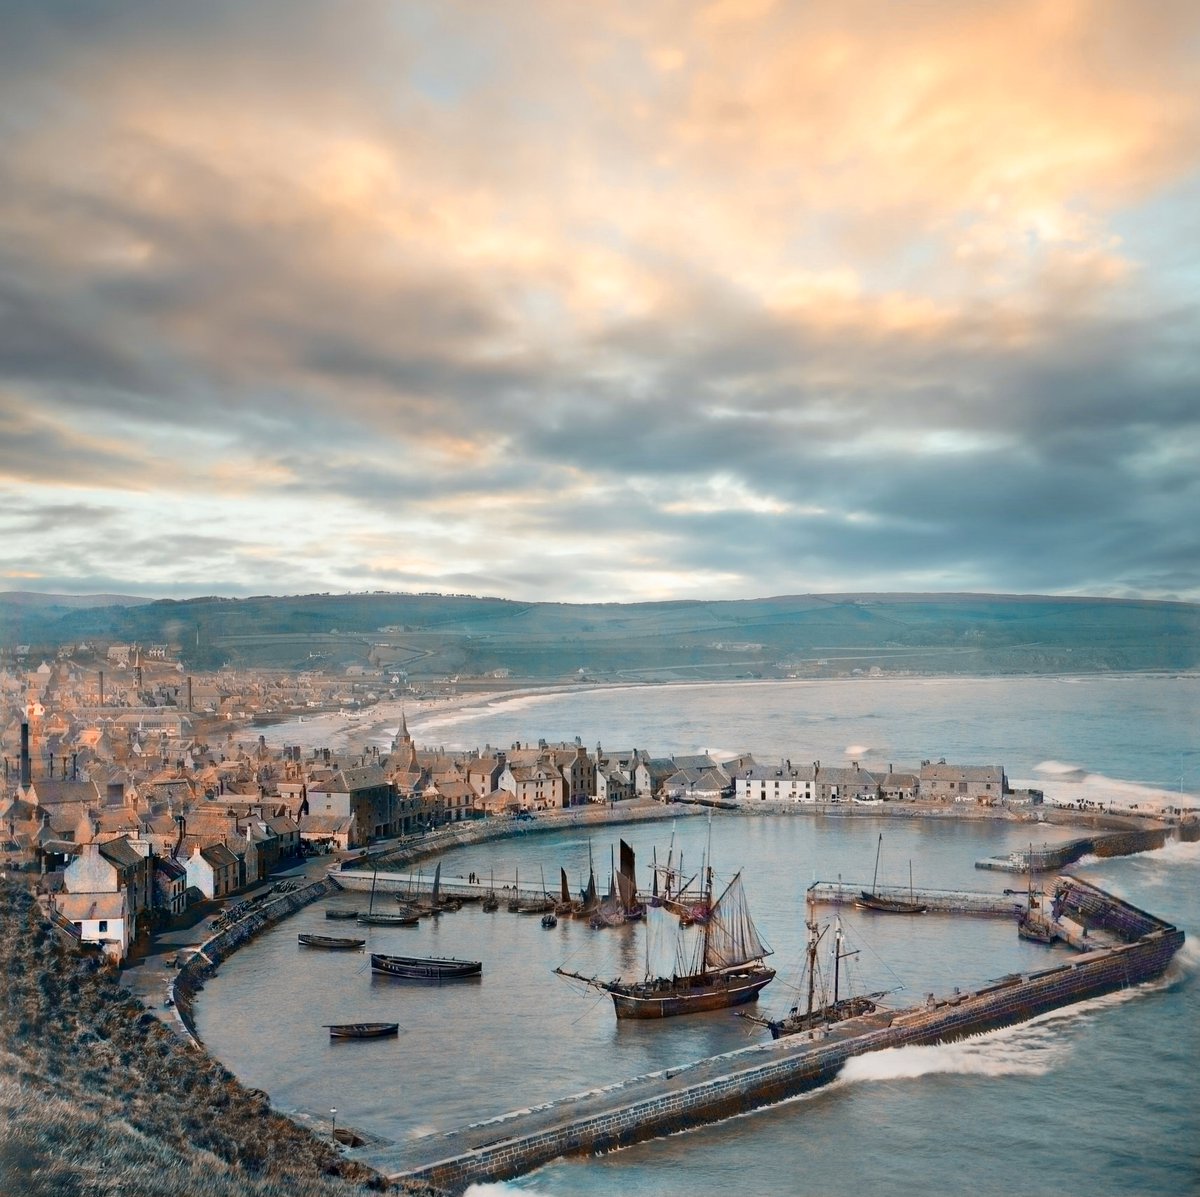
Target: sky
point(630, 301)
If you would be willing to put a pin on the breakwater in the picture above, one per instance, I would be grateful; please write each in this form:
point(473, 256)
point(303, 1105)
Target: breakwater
point(718, 1087)
point(1048, 859)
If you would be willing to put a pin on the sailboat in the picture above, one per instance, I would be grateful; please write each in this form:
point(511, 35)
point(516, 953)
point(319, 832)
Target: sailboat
point(1033, 925)
point(542, 905)
point(872, 899)
point(589, 900)
point(631, 908)
point(403, 918)
point(610, 912)
point(490, 901)
point(728, 968)
point(821, 1008)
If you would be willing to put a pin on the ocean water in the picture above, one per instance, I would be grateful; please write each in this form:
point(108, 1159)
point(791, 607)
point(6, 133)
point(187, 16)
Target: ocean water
point(1099, 1099)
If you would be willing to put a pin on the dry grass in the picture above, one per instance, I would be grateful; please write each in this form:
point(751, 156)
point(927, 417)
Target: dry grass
point(98, 1098)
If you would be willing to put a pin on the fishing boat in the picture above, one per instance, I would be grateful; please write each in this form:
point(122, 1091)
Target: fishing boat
point(589, 899)
point(822, 1007)
point(425, 968)
point(490, 901)
point(377, 918)
point(872, 899)
point(351, 913)
point(1033, 925)
point(543, 905)
point(549, 919)
point(329, 941)
point(362, 1030)
point(727, 969)
point(631, 906)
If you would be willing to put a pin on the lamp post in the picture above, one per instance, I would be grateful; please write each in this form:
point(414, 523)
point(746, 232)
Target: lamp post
point(333, 1121)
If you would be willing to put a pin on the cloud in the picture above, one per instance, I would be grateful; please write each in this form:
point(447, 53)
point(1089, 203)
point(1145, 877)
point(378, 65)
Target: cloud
point(755, 297)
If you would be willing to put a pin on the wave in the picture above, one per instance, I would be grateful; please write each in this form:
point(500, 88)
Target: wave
point(1065, 783)
point(499, 1188)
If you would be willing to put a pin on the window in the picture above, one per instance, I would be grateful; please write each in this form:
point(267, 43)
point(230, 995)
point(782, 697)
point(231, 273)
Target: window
point(103, 925)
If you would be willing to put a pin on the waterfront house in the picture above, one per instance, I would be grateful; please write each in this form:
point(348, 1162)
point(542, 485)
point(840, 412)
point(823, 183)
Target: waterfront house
point(170, 886)
point(98, 918)
point(962, 783)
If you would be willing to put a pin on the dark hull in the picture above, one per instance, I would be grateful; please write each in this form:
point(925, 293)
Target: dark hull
point(668, 998)
point(846, 1008)
point(1035, 931)
point(421, 968)
point(363, 1030)
point(389, 920)
point(330, 942)
point(866, 901)
point(341, 914)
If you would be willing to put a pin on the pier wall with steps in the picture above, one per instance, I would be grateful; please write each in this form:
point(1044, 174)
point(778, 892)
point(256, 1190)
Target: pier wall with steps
point(719, 1087)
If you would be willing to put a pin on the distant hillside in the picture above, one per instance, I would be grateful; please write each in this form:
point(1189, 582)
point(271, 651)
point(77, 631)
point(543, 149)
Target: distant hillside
point(68, 602)
point(430, 636)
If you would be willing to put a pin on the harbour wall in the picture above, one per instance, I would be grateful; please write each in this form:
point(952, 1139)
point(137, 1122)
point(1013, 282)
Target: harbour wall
point(190, 978)
point(1110, 843)
point(717, 1088)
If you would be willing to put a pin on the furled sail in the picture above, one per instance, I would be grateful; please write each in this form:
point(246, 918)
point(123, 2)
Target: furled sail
point(732, 938)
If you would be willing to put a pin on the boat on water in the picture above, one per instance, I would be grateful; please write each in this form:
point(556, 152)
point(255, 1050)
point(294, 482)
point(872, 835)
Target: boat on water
point(824, 1006)
point(549, 919)
point(543, 905)
point(362, 1030)
point(872, 899)
point(490, 902)
point(329, 941)
point(1034, 925)
point(377, 918)
point(425, 968)
point(351, 913)
point(727, 968)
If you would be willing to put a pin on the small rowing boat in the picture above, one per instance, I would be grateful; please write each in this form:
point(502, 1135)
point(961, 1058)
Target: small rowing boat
point(362, 1030)
point(351, 913)
point(329, 941)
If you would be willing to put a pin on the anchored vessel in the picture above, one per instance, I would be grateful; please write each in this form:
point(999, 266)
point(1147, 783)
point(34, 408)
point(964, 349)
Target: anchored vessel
point(329, 941)
point(729, 969)
point(822, 1009)
point(425, 968)
point(873, 900)
point(362, 1030)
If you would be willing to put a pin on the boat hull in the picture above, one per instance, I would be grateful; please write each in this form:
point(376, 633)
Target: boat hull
point(330, 943)
point(690, 995)
point(866, 901)
point(420, 968)
point(364, 1030)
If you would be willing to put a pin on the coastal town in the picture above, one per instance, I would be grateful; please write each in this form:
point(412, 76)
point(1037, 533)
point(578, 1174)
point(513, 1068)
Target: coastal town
point(134, 792)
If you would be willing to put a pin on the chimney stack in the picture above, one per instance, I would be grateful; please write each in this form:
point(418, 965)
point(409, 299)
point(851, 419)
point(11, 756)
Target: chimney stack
point(26, 772)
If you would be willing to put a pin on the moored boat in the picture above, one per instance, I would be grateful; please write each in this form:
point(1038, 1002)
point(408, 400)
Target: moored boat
point(351, 913)
point(872, 899)
point(728, 970)
point(425, 968)
point(362, 1030)
point(329, 941)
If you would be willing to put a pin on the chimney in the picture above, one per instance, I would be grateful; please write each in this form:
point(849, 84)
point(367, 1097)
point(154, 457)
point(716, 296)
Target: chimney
point(26, 772)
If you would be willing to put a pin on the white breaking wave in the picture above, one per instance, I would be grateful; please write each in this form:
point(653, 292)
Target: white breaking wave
point(500, 1189)
point(1064, 783)
point(857, 751)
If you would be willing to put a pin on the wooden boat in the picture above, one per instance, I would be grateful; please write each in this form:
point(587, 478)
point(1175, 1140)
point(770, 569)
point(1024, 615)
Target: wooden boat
point(329, 941)
point(728, 969)
point(1033, 925)
point(362, 1030)
point(549, 919)
point(872, 899)
point(490, 901)
point(425, 968)
point(374, 918)
point(822, 1008)
point(351, 913)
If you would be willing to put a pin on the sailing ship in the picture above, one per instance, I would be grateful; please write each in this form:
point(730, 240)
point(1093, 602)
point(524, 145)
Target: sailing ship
point(425, 968)
point(1034, 925)
point(872, 899)
point(329, 941)
point(362, 1030)
point(822, 1008)
point(728, 967)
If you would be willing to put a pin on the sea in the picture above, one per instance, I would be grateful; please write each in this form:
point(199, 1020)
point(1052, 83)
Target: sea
point(1100, 1099)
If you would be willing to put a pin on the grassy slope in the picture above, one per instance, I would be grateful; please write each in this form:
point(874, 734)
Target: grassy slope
point(98, 1098)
